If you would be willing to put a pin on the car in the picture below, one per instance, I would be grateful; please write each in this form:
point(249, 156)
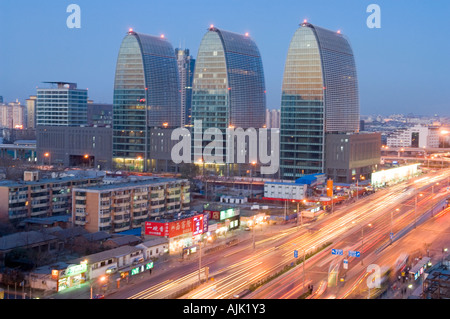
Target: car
point(111, 270)
point(247, 228)
point(242, 294)
point(99, 296)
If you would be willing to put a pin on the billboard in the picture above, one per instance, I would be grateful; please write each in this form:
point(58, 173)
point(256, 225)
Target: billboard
point(196, 225)
point(156, 229)
point(393, 175)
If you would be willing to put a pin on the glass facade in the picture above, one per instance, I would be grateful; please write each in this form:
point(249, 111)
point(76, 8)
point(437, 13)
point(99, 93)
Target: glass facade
point(319, 96)
point(186, 65)
point(146, 94)
point(62, 106)
point(228, 87)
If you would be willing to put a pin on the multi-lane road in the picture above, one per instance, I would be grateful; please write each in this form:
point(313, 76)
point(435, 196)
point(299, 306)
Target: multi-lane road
point(363, 226)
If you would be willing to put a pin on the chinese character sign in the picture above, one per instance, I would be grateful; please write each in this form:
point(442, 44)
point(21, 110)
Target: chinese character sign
point(156, 229)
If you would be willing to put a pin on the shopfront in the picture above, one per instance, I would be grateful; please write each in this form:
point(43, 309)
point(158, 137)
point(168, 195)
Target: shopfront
point(72, 276)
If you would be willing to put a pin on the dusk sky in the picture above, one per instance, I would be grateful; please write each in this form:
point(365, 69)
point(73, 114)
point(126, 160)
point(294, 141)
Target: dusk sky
point(403, 67)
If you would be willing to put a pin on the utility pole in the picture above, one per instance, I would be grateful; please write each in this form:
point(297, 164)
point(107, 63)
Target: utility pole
point(200, 262)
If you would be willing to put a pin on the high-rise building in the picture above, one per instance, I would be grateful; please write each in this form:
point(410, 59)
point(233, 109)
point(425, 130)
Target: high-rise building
point(186, 65)
point(319, 96)
point(146, 94)
point(31, 111)
point(63, 104)
point(273, 118)
point(229, 86)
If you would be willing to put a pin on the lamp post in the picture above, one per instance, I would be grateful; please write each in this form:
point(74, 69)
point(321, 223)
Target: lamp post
point(392, 225)
point(362, 239)
point(415, 209)
point(304, 261)
point(101, 280)
point(251, 179)
point(199, 261)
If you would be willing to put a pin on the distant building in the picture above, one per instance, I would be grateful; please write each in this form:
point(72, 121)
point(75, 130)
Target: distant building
point(31, 112)
point(121, 206)
point(417, 136)
point(88, 147)
point(61, 105)
point(273, 118)
point(186, 65)
point(12, 115)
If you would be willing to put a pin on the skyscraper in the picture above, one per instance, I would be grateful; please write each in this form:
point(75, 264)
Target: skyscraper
point(63, 104)
point(186, 65)
point(31, 111)
point(319, 96)
point(146, 94)
point(229, 87)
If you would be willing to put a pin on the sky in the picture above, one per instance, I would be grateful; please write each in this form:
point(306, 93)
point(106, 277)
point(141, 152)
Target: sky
point(402, 67)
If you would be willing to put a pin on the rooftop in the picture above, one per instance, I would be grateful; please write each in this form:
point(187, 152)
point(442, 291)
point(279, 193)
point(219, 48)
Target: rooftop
point(128, 184)
point(107, 254)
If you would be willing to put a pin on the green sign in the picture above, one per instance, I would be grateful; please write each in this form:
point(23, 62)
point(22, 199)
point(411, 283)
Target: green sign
point(76, 269)
point(140, 269)
point(135, 271)
point(224, 214)
point(149, 266)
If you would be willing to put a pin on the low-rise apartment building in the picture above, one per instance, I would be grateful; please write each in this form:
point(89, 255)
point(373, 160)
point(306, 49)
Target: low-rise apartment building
point(119, 207)
point(35, 197)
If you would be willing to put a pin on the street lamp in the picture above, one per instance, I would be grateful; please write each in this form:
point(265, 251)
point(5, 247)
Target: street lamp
point(251, 179)
point(101, 280)
point(391, 235)
point(362, 239)
point(415, 209)
point(304, 261)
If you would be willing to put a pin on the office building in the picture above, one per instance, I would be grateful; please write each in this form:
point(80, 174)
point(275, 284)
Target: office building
point(229, 87)
point(146, 94)
point(62, 104)
point(125, 205)
point(186, 65)
point(417, 136)
point(85, 147)
point(319, 96)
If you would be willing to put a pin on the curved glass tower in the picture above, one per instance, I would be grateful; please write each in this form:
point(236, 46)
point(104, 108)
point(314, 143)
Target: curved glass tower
point(228, 88)
point(319, 96)
point(146, 94)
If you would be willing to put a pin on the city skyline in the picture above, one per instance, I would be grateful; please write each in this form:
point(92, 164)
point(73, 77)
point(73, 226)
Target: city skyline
point(390, 60)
